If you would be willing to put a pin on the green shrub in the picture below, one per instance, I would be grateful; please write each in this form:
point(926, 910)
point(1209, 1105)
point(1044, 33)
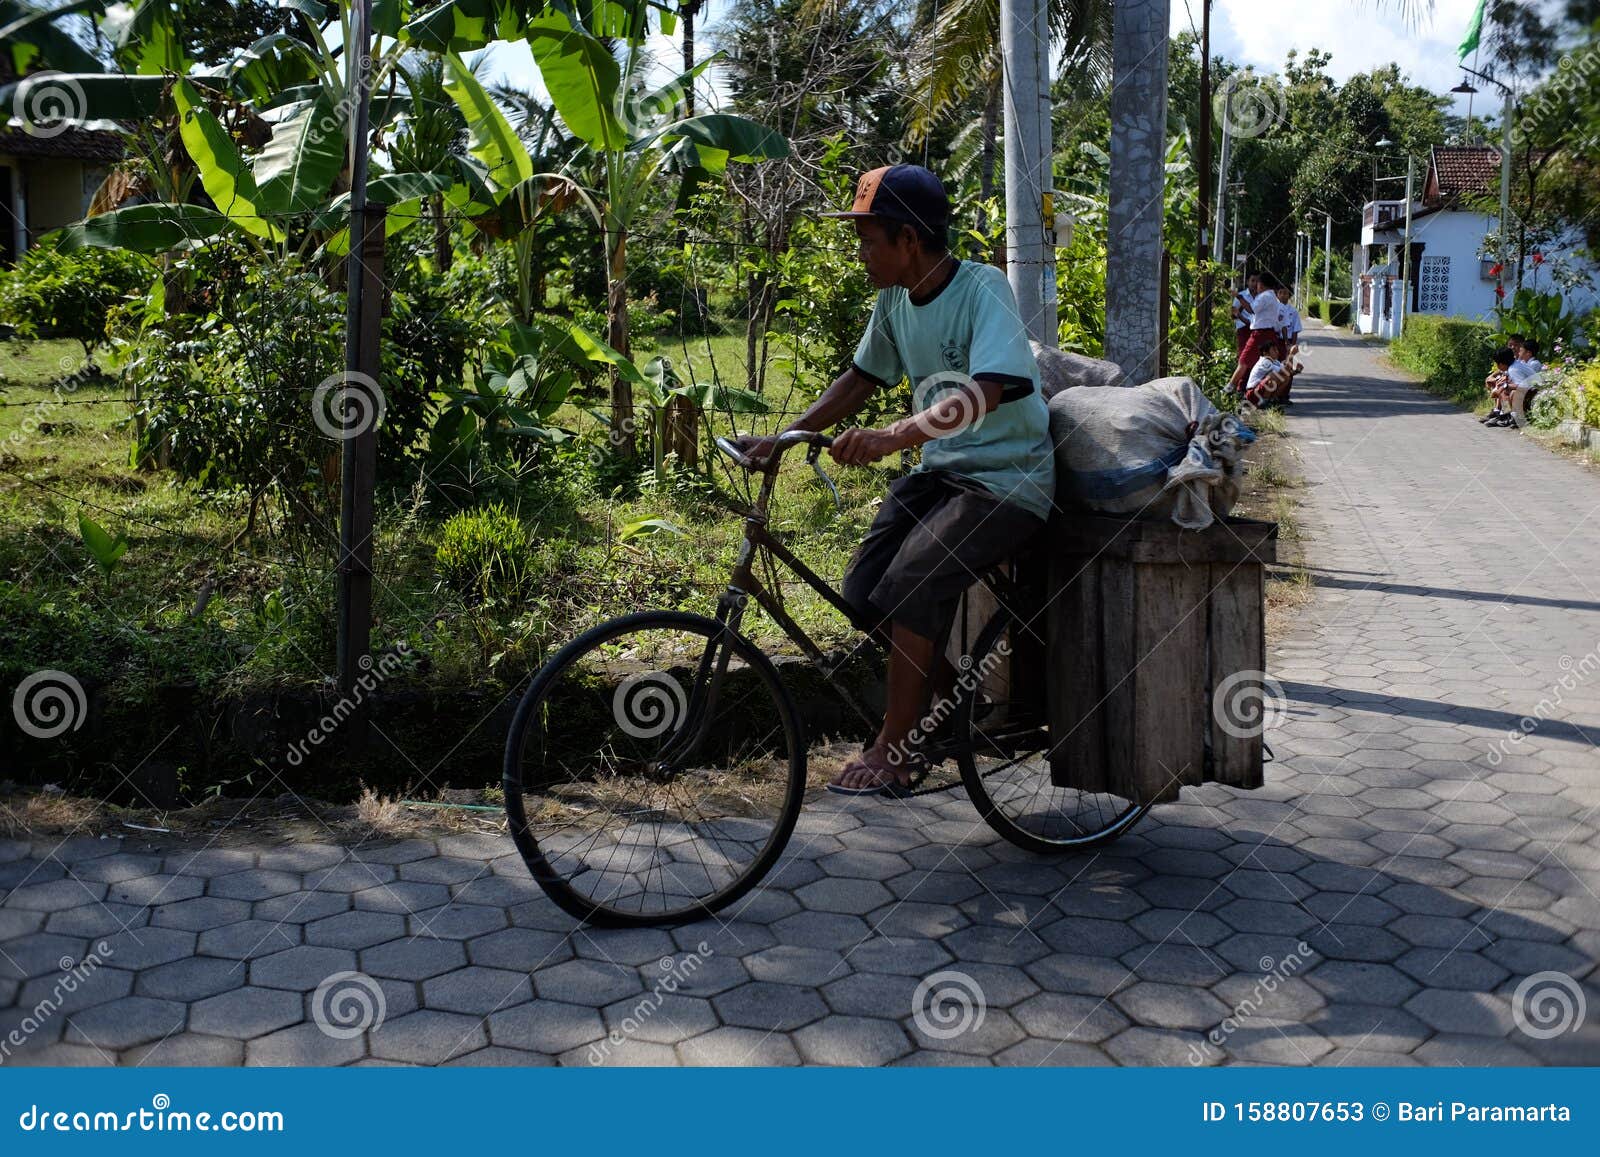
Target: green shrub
point(1338, 313)
point(484, 553)
point(55, 294)
point(1451, 355)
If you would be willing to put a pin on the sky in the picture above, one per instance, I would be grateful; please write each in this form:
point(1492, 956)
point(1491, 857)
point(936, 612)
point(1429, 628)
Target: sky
point(1360, 34)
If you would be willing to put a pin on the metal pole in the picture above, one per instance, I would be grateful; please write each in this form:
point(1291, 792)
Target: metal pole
point(1049, 326)
point(1405, 254)
point(1222, 173)
point(1203, 305)
point(1138, 185)
point(363, 300)
point(1505, 201)
point(1327, 259)
point(1022, 28)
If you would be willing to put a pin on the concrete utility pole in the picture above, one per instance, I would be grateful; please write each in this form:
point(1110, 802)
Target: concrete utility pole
point(358, 459)
point(1327, 257)
point(1203, 303)
point(1405, 254)
point(1138, 180)
point(1222, 172)
point(1030, 208)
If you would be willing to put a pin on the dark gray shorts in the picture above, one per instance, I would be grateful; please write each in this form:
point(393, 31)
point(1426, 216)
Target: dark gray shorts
point(935, 535)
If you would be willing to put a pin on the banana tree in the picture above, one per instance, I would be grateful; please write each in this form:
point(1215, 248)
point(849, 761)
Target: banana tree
point(673, 406)
point(632, 132)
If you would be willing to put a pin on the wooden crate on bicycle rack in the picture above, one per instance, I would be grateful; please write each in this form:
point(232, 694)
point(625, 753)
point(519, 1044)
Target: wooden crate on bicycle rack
point(1145, 621)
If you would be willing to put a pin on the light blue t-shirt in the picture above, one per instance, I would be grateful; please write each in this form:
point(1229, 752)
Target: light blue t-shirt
point(970, 328)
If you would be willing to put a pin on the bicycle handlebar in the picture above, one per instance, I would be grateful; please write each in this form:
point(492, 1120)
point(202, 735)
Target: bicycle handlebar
point(783, 442)
point(818, 443)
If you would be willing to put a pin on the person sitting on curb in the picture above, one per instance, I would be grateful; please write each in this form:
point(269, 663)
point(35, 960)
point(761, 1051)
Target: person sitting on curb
point(986, 482)
point(1498, 383)
point(1270, 377)
point(1524, 374)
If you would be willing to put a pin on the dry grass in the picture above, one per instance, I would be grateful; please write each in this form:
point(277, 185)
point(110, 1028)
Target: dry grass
point(46, 813)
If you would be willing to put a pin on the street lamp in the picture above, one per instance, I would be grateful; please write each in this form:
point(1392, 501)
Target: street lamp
point(1505, 169)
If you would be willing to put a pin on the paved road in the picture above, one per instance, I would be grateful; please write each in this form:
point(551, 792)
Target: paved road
point(1407, 867)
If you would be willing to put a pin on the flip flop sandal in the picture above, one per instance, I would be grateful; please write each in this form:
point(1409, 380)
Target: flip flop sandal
point(894, 788)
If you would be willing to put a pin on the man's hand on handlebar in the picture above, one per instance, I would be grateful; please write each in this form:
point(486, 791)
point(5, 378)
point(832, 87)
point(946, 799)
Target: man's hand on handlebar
point(758, 449)
point(859, 447)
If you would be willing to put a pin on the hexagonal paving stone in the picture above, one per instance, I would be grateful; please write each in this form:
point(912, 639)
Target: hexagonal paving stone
point(1171, 1006)
point(428, 1037)
point(519, 949)
point(993, 944)
point(852, 1040)
point(192, 979)
point(1343, 981)
point(87, 989)
point(248, 939)
point(770, 1007)
point(843, 895)
point(355, 929)
point(1140, 1045)
point(247, 1012)
point(455, 921)
point(738, 1046)
point(476, 991)
point(300, 907)
point(254, 884)
point(95, 920)
point(186, 1050)
point(897, 956)
point(413, 959)
point(640, 946)
point(200, 913)
point(660, 1017)
point(301, 968)
point(403, 897)
point(864, 865)
point(147, 947)
point(792, 964)
point(352, 876)
point(304, 1045)
point(586, 982)
point(1060, 1016)
point(148, 891)
point(822, 930)
point(1474, 1013)
point(54, 895)
point(443, 870)
point(121, 1024)
point(1444, 968)
point(546, 1026)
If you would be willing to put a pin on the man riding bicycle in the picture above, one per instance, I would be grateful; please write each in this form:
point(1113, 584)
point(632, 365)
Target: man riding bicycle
point(986, 480)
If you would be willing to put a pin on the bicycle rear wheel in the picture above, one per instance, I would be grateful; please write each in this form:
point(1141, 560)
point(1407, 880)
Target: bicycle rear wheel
point(654, 770)
point(1003, 752)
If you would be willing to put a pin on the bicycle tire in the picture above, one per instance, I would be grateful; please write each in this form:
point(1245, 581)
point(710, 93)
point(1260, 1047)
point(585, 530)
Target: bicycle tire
point(537, 858)
point(1087, 827)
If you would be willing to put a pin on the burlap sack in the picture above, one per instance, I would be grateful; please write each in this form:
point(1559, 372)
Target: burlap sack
point(1062, 369)
point(1160, 450)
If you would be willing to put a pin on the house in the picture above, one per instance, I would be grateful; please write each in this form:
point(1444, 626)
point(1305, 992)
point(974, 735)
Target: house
point(47, 179)
point(1447, 233)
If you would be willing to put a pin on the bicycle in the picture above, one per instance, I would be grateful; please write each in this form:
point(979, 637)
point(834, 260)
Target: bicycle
point(656, 765)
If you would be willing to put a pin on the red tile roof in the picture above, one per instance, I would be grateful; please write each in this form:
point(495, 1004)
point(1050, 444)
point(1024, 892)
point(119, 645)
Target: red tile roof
point(1458, 171)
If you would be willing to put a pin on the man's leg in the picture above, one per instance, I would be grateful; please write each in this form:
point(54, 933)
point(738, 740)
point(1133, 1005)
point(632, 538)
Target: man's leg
point(911, 668)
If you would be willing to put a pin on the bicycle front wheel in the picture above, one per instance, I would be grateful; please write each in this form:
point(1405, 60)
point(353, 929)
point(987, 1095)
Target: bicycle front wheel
point(654, 770)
